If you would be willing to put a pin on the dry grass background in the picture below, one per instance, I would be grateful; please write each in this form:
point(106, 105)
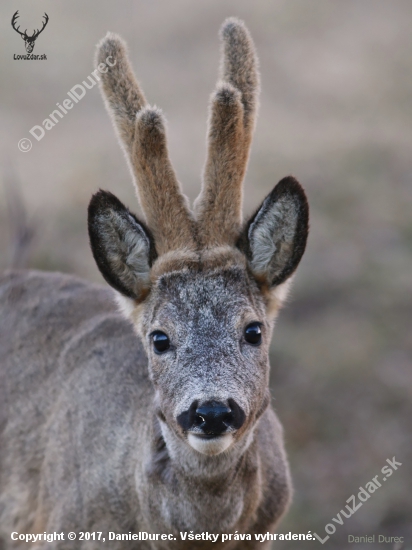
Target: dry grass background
point(336, 111)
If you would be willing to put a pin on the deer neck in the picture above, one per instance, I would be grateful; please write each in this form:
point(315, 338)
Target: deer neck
point(225, 481)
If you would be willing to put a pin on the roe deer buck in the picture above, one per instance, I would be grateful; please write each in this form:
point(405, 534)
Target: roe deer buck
point(174, 434)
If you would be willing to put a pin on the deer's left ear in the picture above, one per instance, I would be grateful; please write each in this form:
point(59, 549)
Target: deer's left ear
point(274, 239)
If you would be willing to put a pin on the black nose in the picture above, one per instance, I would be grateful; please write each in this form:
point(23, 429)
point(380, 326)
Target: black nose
point(212, 417)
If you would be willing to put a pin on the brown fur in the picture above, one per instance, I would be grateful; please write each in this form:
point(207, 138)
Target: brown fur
point(231, 124)
point(224, 171)
point(166, 208)
point(141, 130)
point(122, 93)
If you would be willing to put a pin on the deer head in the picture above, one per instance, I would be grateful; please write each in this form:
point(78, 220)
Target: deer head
point(202, 288)
point(28, 40)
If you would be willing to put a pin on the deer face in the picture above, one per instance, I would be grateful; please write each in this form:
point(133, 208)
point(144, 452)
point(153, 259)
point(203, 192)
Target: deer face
point(201, 288)
point(206, 336)
point(205, 318)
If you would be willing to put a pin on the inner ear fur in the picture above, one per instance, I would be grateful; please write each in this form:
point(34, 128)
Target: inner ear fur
point(122, 245)
point(274, 238)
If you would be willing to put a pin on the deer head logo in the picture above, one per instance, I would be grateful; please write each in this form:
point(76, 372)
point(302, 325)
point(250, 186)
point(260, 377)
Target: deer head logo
point(29, 41)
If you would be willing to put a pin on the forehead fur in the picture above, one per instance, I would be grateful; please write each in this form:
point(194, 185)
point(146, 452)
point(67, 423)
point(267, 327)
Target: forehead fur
point(218, 277)
point(208, 260)
point(190, 274)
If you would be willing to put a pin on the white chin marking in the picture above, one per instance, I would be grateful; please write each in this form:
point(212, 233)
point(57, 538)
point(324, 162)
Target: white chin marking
point(210, 447)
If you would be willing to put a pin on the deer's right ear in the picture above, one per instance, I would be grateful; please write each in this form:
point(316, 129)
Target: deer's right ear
point(122, 246)
point(274, 239)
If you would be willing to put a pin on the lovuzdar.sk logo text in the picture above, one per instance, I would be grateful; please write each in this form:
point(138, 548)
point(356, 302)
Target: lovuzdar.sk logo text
point(29, 40)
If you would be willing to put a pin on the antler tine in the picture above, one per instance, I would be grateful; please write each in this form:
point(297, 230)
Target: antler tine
point(13, 22)
point(240, 67)
point(37, 32)
point(121, 92)
point(166, 208)
point(231, 124)
point(141, 130)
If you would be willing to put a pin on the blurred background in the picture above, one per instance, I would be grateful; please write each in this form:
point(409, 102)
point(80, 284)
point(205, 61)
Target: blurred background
point(336, 112)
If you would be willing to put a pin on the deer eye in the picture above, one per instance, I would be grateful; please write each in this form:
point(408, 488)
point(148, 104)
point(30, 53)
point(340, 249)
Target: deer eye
point(253, 334)
point(161, 342)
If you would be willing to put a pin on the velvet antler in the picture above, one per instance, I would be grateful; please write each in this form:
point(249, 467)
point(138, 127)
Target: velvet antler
point(141, 130)
point(231, 124)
